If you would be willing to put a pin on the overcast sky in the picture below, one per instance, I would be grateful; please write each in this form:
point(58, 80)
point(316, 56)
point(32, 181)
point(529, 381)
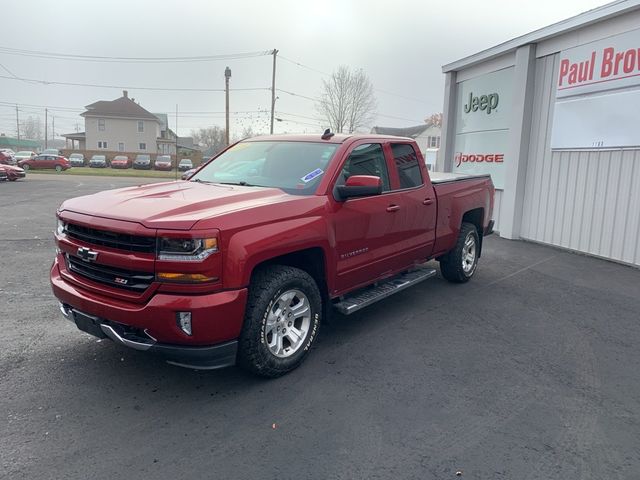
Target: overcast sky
point(400, 44)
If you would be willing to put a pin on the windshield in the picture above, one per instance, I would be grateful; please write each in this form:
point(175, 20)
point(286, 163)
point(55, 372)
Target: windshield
point(98, 157)
point(163, 158)
point(75, 155)
point(143, 157)
point(120, 157)
point(295, 167)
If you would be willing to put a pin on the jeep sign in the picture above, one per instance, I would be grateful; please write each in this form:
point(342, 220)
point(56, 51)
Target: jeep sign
point(483, 103)
point(483, 114)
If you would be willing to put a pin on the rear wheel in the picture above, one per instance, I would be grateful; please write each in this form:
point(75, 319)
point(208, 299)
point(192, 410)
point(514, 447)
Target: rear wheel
point(282, 321)
point(460, 263)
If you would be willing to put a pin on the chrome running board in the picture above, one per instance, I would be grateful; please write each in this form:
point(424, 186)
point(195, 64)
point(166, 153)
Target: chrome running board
point(353, 302)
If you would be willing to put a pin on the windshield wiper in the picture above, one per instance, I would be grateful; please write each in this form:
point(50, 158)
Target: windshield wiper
point(242, 183)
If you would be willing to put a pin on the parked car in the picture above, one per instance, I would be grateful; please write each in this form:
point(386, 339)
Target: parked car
point(76, 159)
point(120, 161)
point(188, 174)
point(142, 162)
point(98, 161)
point(163, 162)
point(242, 267)
point(7, 159)
point(57, 162)
point(3, 175)
point(185, 164)
point(12, 172)
point(25, 154)
point(9, 151)
point(50, 151)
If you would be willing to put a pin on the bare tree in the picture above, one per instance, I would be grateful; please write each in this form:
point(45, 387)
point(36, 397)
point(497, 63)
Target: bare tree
point(32, 129)
point(212, 139)
point(347, 101)
point(435, 119)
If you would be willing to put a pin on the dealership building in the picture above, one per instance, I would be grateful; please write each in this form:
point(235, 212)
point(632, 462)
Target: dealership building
point(554, 117)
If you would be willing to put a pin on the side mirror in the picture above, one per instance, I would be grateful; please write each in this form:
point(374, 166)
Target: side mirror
point(359, 186)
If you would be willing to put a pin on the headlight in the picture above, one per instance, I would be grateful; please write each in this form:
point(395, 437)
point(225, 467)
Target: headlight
point(61, 228)
point(186, 249)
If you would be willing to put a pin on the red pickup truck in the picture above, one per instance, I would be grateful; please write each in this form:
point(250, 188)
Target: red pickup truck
point(241, 263)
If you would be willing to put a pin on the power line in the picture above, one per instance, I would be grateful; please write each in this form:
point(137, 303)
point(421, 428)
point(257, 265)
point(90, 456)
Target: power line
point(115, 59)
point(413, 99)
point(313, 99)
point(162, 89)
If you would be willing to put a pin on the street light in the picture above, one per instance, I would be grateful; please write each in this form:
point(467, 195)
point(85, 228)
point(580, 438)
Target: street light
point(227, 76)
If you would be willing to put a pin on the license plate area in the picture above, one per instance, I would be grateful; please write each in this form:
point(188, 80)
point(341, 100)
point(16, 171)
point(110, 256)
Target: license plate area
point(88, 324)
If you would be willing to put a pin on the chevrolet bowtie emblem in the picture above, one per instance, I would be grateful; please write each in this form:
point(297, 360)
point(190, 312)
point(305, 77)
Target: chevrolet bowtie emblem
point(87, 254)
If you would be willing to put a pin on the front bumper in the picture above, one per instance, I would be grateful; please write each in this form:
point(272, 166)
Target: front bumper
point(151, 326)
point(200, 358)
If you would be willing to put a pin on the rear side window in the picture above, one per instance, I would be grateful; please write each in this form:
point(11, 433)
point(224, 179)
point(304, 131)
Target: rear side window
point(406, 162)
point(366, 160)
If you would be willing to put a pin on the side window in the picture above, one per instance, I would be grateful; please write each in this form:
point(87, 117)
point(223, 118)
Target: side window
point(406, 162)
point(101, 124)
point(366, 160)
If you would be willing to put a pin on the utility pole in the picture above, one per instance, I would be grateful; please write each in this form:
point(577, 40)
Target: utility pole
point(46, 124)
point(17, 123)
point(227, 76)
point(53, 128)
point(176, 142)
point(273, 88)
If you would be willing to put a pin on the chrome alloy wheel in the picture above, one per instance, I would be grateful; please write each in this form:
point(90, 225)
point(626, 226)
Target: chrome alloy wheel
point(469, 254)
point(288, 322)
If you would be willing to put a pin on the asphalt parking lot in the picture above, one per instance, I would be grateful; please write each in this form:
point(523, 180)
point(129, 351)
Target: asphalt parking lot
point(530, 372)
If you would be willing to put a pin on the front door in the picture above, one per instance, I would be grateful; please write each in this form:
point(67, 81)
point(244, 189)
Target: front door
point(368, 230)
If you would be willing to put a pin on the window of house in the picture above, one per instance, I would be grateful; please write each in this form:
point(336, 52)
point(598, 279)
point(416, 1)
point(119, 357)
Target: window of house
point(101, 124)
point(102, 144)
point(121, 147)
point(366, 159)
point(406, 161)
point(142, 146)
point(140, 126)
point(434, 142)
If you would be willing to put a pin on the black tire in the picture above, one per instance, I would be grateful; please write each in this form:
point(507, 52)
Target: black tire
point(267, 285)
point(25, 167)
point(451, 265)
point(58, 168)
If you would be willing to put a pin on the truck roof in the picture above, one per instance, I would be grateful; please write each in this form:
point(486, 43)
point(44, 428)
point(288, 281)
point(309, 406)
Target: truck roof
point(317, 137)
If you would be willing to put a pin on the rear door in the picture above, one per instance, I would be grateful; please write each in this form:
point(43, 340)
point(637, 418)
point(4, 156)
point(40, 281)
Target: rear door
point(415, 198)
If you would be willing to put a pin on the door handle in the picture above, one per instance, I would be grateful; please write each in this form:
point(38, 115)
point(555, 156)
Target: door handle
point(427, 201)
point(393, 208)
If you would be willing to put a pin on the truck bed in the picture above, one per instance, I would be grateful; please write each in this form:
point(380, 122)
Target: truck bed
point(443, 177)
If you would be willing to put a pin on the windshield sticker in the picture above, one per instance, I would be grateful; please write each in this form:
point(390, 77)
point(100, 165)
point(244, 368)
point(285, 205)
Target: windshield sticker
point(311, 175)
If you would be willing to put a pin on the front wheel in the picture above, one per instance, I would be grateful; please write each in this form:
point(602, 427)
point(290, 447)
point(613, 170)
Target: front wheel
point(58, 168)
point(282, 321)
point(25, 167)
point(460, 263)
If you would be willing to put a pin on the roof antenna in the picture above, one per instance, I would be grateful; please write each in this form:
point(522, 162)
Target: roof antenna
point(327, 134)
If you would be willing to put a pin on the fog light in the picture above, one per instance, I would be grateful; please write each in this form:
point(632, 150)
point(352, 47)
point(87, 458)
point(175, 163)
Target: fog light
point(184, 322)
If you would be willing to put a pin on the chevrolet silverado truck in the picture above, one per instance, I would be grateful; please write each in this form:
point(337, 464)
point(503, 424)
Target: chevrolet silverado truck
point(242, 263)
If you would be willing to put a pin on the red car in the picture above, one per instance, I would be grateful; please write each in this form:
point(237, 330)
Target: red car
point(57, 162)
point(13, 173)
point(244, 261)
point(163, 162)
point(120, 161)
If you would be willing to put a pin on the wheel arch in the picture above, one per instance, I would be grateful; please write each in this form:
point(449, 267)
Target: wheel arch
point(476, 218)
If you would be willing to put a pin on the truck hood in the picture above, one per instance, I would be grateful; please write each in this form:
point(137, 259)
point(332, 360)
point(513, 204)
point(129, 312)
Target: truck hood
point(173, 205)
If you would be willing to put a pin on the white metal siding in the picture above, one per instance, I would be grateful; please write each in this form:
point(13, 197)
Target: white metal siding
point(497, 203)
point(582, 200)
